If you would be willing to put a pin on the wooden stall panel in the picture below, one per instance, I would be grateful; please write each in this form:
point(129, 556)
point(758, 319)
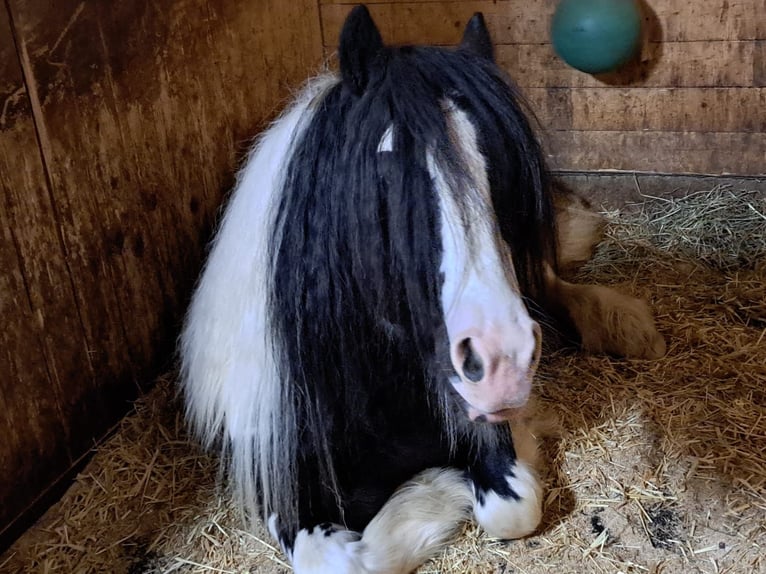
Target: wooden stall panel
point(704, 20)
point(699, 77)
point(654, 109)
point(442, 23)
point(37, 353)
point(759, 63)
point(31, 425)
point(679, 64)
point(677, 152)
point(143, 110)
point(527, 22)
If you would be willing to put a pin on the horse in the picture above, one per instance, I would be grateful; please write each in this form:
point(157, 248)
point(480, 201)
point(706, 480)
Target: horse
point(361, 333)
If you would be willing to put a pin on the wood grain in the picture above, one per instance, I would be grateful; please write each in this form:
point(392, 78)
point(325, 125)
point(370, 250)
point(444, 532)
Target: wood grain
point(32, 401)
point(528, 22)
point(441, 23)
point(663, 152)
point(700, 70)
point(129, 113)
point(143, 110)
point(657, 109)
point(759, 66)
point(662, 64)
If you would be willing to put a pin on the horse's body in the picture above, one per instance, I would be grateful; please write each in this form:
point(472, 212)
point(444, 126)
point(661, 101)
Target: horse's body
point(360, 322)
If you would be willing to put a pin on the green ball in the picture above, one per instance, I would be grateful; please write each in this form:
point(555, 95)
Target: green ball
point(596, 36)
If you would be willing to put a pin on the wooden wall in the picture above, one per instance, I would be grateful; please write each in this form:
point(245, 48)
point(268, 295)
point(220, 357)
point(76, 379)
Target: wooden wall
point(693, 102)
point(120, 127)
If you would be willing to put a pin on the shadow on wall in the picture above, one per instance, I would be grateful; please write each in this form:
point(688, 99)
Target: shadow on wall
point(640, 67)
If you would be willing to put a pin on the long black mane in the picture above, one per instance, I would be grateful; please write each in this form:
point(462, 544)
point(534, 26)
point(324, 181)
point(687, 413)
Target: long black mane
point(355, 295)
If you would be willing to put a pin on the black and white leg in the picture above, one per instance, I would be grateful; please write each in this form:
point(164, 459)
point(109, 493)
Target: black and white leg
point(324, 547)
point(411, 527)
point(507, 491)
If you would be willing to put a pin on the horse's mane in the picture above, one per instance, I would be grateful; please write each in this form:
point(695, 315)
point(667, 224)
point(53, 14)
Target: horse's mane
point(354, 295)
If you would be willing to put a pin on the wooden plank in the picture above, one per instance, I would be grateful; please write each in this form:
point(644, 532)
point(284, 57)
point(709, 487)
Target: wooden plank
point(666, 64)
point(657, 109)
point(138, 131)
point(32, 427)
point(81, 217)
point(710, 20)
point(143, 110)
point(759, 65)
point(670, 109)
point(664, 152)
point(32, 422)
point(552, 107)
point(441, 23)
point(528, 22)
point(352, 3)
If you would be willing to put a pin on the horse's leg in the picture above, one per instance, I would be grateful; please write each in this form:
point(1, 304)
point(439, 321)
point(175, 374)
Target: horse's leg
point(319, 548)
point(606, 320)
point(411, 527)
point(578, 229)
point(313, 541)
point(417, 521)
point(501, 486)
point(507, 492)
point(424, 514)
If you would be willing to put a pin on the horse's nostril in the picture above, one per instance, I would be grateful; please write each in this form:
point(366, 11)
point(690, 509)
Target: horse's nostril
point(473, 368)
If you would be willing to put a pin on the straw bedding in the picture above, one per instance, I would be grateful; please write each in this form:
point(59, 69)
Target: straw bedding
point(650, 467)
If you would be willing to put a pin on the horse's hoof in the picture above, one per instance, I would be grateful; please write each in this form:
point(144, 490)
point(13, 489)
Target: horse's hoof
point(512, 517)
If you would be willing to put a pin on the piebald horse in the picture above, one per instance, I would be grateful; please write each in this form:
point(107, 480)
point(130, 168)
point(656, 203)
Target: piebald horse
point(360, 335)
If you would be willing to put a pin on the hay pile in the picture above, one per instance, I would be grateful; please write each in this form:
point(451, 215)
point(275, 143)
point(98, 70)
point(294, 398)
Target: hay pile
point(651, 467)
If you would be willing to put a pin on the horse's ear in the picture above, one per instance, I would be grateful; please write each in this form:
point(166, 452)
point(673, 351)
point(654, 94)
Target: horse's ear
point(360, 44)
point(476, 38)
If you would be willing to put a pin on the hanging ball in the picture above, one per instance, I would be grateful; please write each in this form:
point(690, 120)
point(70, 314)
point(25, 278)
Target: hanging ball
point(596, 36)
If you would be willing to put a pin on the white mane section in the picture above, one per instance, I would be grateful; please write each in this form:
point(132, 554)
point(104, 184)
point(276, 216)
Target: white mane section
point(228, 371)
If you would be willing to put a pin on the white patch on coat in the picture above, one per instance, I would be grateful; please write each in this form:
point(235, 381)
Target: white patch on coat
point(508, 518)
point(387, 141)
point(324, 551)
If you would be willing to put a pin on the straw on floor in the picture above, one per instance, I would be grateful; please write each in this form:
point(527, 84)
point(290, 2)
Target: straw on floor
point(650, 466)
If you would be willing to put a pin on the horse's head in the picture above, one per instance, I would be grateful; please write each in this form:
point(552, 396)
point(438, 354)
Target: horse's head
point(453, 130)
point(494, 344)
